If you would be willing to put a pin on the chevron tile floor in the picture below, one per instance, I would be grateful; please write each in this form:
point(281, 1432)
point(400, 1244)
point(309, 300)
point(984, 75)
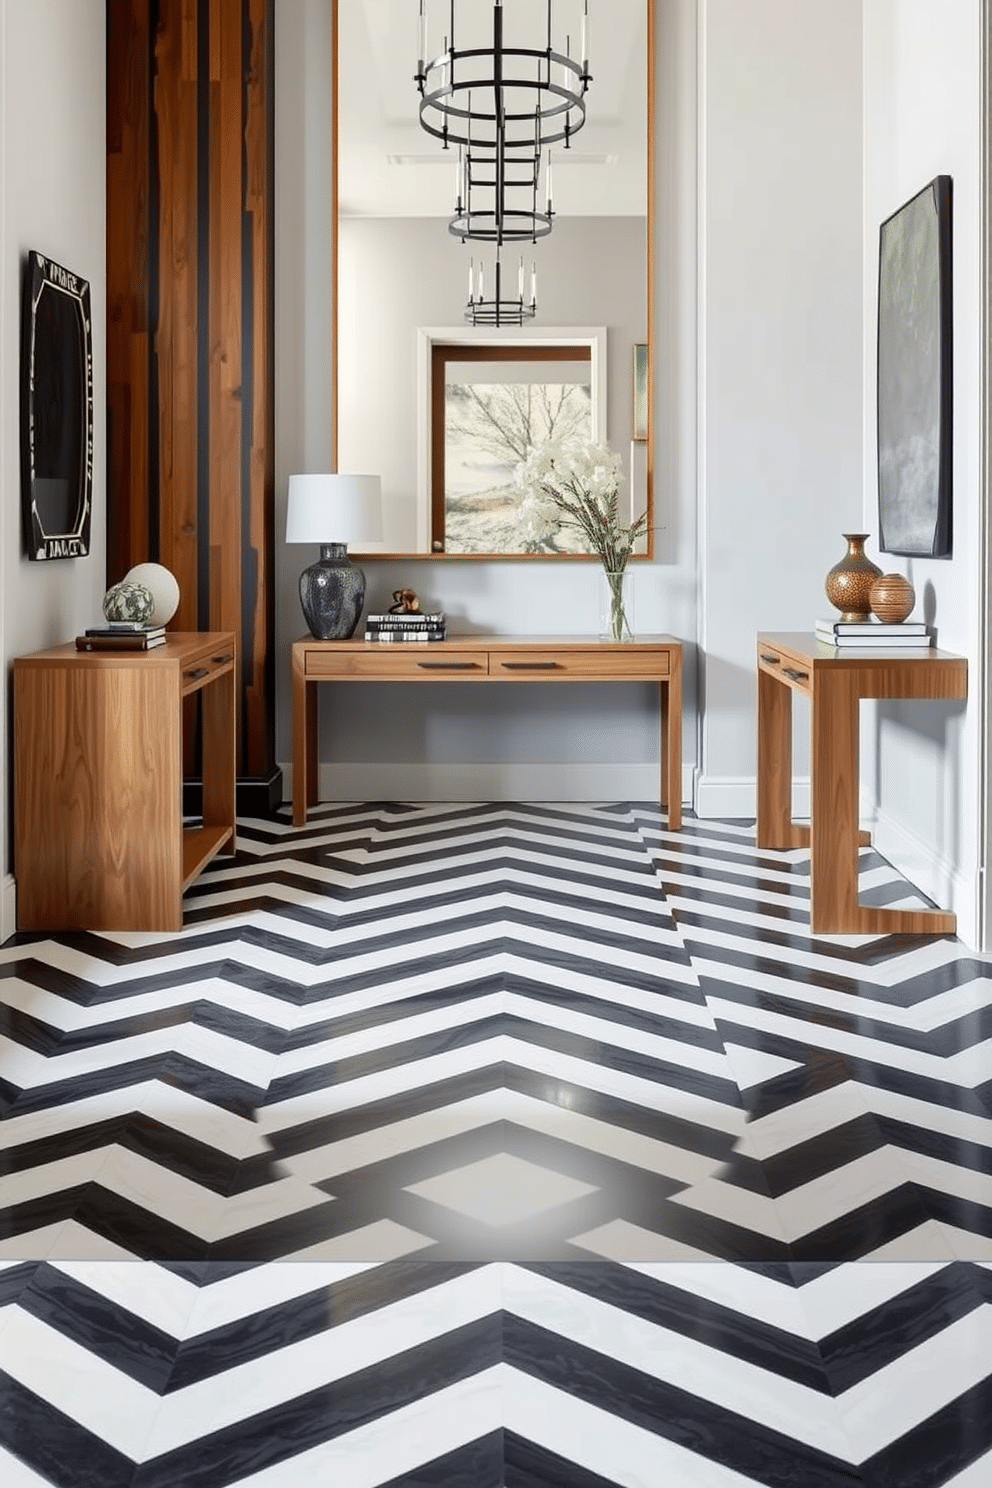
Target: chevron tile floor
point(496, 1144)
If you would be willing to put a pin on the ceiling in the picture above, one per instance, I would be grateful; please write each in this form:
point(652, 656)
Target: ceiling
point(390, 167)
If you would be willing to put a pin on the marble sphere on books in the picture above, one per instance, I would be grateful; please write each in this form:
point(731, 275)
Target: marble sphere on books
point(163, 587)
point(129, 601)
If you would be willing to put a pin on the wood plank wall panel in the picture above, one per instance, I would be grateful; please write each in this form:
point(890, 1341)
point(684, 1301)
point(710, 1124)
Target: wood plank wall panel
point(190, 136)
point(128, 120)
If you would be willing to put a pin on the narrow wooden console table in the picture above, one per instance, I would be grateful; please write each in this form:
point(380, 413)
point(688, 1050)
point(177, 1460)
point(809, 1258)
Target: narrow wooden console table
point(488, 658)
point(835, 680)
point(99, 842)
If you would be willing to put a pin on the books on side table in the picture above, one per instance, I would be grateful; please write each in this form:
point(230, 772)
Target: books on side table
point(121, 635)
point(866, 634)
point(407, 627)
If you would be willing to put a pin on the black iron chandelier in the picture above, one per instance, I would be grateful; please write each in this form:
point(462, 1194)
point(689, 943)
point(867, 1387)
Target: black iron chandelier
point(502, 99)
point(502, 106)
point(501, 308)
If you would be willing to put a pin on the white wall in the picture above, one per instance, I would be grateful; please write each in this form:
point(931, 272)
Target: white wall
point(52, 198)
point(398, 274)
point(524, 741)
point(922, 118)
point(780, 388)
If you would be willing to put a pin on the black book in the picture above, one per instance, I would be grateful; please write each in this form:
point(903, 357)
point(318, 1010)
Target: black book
point(126, 628)
point(120, 641)
point(411, 619)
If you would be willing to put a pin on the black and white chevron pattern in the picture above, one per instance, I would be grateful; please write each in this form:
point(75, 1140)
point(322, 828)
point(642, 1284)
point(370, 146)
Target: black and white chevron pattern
point(410, 1161)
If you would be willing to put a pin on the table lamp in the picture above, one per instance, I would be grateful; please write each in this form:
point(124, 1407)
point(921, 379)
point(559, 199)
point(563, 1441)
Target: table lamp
point(333, 510)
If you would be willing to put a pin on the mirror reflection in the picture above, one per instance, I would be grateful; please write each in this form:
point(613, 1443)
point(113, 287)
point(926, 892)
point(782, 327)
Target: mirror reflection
point(402, 275)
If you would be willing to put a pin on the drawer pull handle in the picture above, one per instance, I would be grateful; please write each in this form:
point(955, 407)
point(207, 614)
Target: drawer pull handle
point(771, 660)
point(530, 666)
point(195, 672)
point(220, 660)
point(448, 666)
point(796, 674)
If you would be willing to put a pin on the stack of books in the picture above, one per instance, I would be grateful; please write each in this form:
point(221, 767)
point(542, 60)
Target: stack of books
point(868, 633)
point(121, 635)
point(409, 626)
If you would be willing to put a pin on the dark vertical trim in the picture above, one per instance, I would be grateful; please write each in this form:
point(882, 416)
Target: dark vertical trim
point(154, 269)
point(203, 316)
point(249, 558)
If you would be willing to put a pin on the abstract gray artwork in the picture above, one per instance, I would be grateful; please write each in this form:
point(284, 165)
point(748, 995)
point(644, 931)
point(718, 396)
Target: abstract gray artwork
point(914, 375)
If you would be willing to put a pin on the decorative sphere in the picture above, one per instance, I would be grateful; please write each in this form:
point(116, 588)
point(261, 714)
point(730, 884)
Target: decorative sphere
point(128, 601)
point(163, 588)
point(891, 597)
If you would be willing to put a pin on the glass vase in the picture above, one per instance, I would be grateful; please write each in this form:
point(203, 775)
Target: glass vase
point(616, 605)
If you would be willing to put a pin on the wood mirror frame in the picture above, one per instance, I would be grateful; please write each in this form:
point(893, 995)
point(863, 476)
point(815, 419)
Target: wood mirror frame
point(621, 363)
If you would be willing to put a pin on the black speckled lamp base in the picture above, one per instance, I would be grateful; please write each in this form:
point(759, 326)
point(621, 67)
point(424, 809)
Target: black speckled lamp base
point(332, 594)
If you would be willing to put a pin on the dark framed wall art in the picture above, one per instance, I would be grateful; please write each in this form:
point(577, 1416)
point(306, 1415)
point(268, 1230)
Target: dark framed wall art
point(56, 411)
point(914, 375)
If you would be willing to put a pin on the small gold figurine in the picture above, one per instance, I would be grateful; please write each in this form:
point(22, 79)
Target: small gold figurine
point(406, 602)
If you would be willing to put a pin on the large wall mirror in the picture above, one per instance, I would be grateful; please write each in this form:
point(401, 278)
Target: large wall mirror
point(400, 275)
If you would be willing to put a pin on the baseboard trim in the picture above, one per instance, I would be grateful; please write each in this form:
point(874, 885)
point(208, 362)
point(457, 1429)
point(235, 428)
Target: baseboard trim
point(734, 797)
point(8, 907)
point(489, 782)
point(932, 873)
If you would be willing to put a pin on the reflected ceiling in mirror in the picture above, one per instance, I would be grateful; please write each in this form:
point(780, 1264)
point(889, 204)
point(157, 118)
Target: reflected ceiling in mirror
point(398, 268)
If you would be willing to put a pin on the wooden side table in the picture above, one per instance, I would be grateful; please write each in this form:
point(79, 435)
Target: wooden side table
point(835, 680)
point(99, 842)
point(488, 658)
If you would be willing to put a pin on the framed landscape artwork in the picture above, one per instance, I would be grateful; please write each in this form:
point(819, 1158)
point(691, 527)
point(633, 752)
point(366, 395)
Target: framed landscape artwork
point(914, 375)
point(56, 411)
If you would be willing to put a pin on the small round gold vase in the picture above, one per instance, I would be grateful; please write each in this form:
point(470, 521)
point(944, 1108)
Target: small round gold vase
point(849, 582)
point(892, 598)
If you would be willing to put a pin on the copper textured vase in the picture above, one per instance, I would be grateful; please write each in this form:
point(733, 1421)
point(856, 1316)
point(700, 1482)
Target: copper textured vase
point(892, 598)
point(849, 582)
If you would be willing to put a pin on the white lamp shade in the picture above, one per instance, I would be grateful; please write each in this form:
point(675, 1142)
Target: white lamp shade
point(334, 509)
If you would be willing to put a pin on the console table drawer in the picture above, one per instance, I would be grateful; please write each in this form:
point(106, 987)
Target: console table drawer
point(596, 664)
point(420, 661)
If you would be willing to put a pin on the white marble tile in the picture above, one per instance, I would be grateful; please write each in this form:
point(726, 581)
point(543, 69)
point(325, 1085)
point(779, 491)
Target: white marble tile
point(200, 1211)
point(381, 1241)
point(619, 1240)
point(966, 1245)
point(341, 1046)
point(16, 1474)
point(739, 1288)
point(501, 1190)
point(652, 1094)
point(707, 1373)
point(738, 1206)
point(74, 1242)
point(918, 1384)
point(397, 1444)
point(178, 1109)
point(79, 1383)
point(219, 1402)
point(619, 1451)
point(806, 1118)
point(978, 1475)
point(52, 1177)
point(751, 1067)
point(141, 1288)
point(841, 1295)
point(216, 1304)
point(833, 1195)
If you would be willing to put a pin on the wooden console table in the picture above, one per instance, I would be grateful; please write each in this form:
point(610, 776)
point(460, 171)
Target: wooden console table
point(487, 658)
point(99, 842)
point(835, 680)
